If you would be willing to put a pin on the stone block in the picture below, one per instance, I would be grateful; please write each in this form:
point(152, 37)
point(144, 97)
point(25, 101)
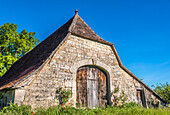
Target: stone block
point(37, 81)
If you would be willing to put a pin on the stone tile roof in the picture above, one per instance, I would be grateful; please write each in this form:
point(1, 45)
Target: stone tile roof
point(36, 57)
point(80, 28)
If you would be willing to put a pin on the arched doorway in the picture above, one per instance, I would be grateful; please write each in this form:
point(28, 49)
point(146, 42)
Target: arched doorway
point(92, 87)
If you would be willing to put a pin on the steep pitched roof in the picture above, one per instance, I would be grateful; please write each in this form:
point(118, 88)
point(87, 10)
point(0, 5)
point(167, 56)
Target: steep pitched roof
point(36, 57)
point(80, 28)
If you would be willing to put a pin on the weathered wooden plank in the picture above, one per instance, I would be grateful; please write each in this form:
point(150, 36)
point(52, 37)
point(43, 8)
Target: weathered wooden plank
point(102, 88)
point(89, 93)
point(95, 93)
point(91, 87)
point(81, 87)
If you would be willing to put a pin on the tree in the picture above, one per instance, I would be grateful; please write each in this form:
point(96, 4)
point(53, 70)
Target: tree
point(163, 90)
point(14, 45)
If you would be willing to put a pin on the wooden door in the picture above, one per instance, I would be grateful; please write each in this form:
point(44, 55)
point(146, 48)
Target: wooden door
point(139, 101)
point(91, 87)
point(141, 98)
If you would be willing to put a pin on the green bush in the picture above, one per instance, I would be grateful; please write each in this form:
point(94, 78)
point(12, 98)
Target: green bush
point(163, 90)
point(14, 109)
point(63, 95)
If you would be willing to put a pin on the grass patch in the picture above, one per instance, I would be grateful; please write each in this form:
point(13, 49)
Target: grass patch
point(127, 109)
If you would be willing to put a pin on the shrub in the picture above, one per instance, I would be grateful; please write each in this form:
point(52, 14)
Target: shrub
point(14, 109)
point(63, 95)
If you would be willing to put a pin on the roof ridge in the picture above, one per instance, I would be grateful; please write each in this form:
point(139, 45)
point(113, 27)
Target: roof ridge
point(73, 22)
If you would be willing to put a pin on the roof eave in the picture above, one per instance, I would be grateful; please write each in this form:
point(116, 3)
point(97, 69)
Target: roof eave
point(131, 74)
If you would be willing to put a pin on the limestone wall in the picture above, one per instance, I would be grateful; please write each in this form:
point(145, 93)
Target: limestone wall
point(60, 71)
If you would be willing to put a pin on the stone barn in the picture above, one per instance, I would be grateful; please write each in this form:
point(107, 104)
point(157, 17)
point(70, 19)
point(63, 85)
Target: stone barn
point(75, 58)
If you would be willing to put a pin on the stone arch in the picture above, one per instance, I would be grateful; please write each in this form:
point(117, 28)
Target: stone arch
point(90, 62)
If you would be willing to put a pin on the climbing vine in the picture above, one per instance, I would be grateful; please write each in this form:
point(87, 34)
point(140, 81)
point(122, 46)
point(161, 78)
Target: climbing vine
point(119, 100)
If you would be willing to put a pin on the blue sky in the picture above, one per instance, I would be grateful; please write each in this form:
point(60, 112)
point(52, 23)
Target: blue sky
point(139, 29)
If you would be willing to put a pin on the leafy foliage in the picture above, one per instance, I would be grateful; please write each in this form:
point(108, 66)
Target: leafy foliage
point(163, 90)
point(63, 95)
point(119, 100)
point(131, 104)
point(129, 109)
point(13, 45)
point(14, 109)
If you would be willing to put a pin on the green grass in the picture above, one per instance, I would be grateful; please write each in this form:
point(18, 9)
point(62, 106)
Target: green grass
point(59, 110)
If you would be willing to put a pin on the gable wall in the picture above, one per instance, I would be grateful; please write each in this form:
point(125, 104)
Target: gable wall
point(58, 72)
